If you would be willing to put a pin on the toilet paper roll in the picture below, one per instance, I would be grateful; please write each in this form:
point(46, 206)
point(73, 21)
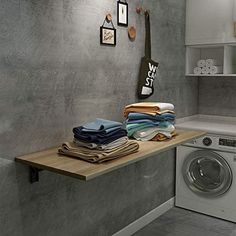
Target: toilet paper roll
point(204, 70)
point(216, 70)
point(197, 70)
point(210, 62)
point(201, 63)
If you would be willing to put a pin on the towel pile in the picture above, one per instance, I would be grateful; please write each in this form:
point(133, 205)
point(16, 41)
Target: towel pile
point(150, 121)
point(208, 66)
point(99, 141)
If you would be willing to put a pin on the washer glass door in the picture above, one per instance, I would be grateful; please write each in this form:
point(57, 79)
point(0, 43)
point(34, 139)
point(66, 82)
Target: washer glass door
point(207, 173)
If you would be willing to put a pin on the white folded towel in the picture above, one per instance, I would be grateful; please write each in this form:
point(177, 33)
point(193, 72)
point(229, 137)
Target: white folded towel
point(197, 70)
point(201, 63)
point(149, 133)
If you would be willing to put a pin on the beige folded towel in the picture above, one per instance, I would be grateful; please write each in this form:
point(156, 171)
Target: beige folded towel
point(109, 146)
point(97, 156)
point(152, 108)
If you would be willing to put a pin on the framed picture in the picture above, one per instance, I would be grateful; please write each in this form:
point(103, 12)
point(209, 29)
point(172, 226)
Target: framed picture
point(107, 36)
point(122, 13)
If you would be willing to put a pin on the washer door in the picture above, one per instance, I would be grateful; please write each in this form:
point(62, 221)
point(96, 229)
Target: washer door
point(207, 173)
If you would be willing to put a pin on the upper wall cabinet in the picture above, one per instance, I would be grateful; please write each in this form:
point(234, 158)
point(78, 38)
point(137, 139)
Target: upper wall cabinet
point(210, 22)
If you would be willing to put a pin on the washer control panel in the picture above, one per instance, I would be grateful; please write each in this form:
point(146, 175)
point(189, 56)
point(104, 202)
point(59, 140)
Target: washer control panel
point(227, 142)
point(213, 141)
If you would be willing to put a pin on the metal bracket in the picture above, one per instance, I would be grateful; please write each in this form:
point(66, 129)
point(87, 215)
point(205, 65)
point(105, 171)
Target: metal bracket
point(34, 174)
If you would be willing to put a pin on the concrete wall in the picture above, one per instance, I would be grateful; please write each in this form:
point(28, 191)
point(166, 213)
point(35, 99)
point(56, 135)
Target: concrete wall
point(217, 96)
point(54, 75)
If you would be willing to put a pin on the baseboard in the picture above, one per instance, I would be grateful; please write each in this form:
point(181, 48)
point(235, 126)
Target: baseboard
point(146, 219)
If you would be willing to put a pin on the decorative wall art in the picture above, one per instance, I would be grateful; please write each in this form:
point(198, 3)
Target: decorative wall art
point(108, 34)
point(132, 33)
point(122, 13)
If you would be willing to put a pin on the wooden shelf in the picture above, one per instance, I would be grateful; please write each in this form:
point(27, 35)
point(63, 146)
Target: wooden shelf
point(51, 161)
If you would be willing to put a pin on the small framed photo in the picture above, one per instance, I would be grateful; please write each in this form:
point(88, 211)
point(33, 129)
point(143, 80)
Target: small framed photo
point(107, 36)
point(122, 13)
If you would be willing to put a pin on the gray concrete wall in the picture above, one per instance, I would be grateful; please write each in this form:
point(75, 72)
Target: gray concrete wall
point(217, 96)
point(54, 75)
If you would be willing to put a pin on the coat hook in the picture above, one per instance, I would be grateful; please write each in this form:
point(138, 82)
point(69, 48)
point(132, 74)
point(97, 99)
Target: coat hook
point(141, 10)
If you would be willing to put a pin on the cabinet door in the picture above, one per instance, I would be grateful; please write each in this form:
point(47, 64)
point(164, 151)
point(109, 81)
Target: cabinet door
point(209, 22)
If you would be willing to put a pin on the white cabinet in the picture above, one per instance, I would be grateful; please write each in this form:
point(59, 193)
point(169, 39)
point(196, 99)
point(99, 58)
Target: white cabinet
point(209, 22)
point(210, 34)
point(224, 56)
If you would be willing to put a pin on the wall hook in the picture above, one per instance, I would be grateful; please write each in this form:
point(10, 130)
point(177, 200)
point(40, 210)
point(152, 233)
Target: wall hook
point(141, 10)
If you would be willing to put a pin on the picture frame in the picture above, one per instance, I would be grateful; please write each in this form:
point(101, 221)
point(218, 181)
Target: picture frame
point(107, 36)
point(122, 13)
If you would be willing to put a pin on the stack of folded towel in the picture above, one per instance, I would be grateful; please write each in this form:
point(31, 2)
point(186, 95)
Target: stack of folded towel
point(99, 141)
point(150, 121)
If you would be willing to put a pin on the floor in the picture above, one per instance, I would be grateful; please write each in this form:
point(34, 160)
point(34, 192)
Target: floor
point(180, 222)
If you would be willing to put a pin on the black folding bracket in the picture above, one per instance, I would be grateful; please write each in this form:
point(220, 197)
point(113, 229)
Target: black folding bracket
point(34, 174)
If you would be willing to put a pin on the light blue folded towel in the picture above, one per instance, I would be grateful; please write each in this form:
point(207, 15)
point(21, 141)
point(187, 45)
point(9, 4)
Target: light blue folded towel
point(161, 117)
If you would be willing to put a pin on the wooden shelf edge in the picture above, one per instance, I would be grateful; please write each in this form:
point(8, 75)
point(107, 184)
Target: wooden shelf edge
point(51, 161)
point(51, 169)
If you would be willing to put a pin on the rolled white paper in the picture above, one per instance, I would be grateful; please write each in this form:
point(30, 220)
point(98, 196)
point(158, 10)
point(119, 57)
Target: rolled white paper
point(197, 70)
point(201, 63)
point(216, 70)
point(210, 62)
point(204, 70)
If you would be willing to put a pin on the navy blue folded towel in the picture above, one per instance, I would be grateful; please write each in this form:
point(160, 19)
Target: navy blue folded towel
point(100, 131)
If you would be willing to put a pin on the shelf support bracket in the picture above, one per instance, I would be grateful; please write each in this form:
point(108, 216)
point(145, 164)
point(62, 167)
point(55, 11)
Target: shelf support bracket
point(34, 174)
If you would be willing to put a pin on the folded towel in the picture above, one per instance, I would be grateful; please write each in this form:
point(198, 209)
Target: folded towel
point(147, 121)
point(158, 117)
point(149, 133)
point(99, 126)
point(97, 156)
point(148, 107)
point(163, 137)
point(108, 146)
point(100, 138)
point(133, 123)
point(132, 128)
point(109, 131)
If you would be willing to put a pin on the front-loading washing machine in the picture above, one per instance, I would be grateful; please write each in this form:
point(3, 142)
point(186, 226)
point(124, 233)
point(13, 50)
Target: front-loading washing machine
point(206, 176)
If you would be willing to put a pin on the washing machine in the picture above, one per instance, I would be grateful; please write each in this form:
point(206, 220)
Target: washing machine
point(206, 176)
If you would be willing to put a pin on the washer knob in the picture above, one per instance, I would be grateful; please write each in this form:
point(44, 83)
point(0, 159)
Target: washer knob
point(207, 141)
